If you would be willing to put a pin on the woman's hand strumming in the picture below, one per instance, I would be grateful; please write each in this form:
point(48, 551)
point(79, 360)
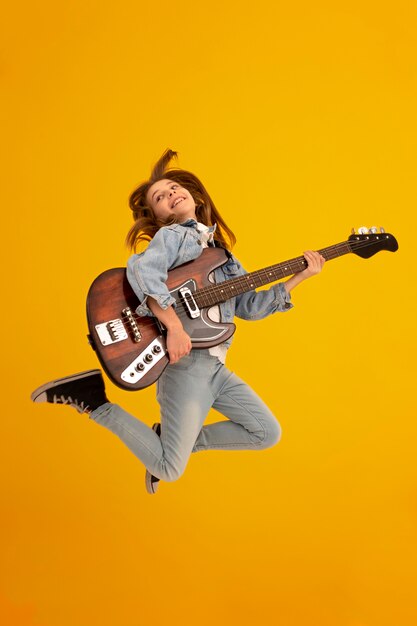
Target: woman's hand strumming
point(178, 343)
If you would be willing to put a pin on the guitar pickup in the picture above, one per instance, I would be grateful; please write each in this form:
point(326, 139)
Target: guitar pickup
point(189, 302)
point(111, 332)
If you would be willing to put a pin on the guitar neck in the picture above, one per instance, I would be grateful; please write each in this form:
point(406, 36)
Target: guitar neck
point(215, 294)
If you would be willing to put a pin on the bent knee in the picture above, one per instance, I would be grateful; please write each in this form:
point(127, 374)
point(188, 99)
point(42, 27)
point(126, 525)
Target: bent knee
point(272, 435)
point(170, 473)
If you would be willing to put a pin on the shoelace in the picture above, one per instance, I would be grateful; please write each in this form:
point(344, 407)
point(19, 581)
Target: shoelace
point(79, 406)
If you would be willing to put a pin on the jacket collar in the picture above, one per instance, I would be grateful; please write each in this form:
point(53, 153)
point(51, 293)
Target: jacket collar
point(193, 223)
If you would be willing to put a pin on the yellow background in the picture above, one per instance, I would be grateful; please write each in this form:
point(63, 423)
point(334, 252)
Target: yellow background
point(301, 120)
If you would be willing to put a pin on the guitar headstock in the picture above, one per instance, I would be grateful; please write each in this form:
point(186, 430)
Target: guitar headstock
point(368, 241)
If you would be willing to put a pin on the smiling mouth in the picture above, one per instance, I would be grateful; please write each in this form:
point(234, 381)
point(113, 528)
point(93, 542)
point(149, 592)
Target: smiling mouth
point(177, 201)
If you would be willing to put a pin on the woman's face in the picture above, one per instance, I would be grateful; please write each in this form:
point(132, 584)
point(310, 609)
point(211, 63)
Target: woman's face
point(166, 197)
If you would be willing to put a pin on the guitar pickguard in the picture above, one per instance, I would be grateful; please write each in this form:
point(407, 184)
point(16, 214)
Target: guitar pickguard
point(200, 328)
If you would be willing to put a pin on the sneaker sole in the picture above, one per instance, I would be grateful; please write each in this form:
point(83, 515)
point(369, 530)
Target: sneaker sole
point(152, 487)
point(67, 379)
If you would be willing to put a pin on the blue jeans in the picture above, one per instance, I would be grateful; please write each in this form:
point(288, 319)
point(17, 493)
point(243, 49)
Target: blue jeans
point(187, 391)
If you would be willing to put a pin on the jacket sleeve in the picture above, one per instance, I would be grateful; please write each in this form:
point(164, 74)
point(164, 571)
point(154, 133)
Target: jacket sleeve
point(147, 272)
point(255, 305)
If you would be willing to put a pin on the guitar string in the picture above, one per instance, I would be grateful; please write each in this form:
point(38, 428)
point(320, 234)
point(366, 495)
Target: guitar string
point(241, 280)
point(278, 266)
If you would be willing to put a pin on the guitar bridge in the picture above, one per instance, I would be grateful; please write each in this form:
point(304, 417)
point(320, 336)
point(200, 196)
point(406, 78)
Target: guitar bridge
point(111, 332)
point(127, 312)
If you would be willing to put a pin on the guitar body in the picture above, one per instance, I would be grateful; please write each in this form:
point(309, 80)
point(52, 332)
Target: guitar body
point(132, 349)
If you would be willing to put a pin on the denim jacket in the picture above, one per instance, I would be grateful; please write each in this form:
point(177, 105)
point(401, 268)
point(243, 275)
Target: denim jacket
point(174, 245)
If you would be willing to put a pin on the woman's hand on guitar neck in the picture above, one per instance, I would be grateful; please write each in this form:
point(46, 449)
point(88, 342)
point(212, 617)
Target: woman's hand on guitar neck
point(178, 341)
point(315, 262)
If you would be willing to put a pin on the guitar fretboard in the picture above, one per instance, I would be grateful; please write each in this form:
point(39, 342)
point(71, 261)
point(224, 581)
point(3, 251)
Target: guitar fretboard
point(215, 294)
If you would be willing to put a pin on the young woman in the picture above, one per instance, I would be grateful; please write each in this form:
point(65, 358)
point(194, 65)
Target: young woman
point(174, 212)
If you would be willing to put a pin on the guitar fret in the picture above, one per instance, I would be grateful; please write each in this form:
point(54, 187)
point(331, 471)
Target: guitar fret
point(211, 298)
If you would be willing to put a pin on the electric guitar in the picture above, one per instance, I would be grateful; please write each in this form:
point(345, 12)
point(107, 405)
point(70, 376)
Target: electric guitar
point(132, 349)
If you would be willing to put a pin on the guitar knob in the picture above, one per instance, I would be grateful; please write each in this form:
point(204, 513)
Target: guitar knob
point(140, 367)
point(362, 230)
point(148, 358)
point(156, 349)
point(373, 230)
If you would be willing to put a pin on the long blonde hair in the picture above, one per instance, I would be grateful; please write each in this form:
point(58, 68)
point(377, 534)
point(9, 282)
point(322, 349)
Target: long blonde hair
point(147, 224)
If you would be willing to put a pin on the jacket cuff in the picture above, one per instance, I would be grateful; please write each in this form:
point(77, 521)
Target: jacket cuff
point(283, 298)
point(164, 302)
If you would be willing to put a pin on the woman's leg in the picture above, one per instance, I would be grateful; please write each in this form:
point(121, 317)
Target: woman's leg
point(185, 397)
point(252, 425)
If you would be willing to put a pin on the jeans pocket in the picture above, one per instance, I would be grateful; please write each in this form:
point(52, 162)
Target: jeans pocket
point(185, 363)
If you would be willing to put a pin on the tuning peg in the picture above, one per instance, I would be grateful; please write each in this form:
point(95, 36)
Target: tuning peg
point(382, 229)
point(373, 230)
point(362, 230)
point(353, 231)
